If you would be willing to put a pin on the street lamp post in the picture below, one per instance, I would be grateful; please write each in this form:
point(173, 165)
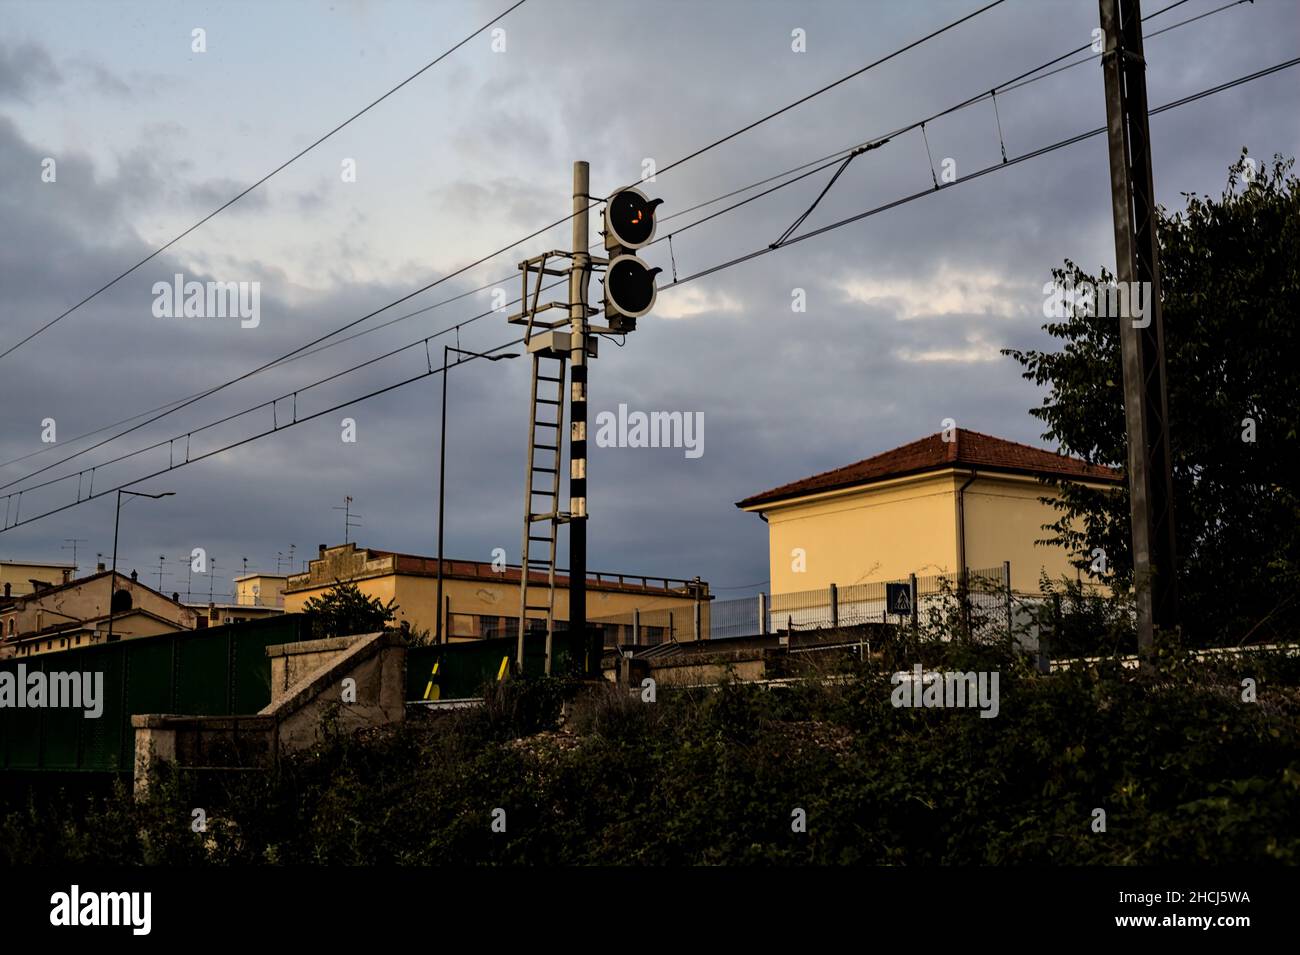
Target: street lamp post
point(442, 468)
point(112, 574)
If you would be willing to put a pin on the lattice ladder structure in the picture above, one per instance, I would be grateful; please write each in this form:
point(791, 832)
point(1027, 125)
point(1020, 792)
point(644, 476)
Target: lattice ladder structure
point(542, 514)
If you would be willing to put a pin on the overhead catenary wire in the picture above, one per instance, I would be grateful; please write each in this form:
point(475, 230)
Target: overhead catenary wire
point(1042, 151)
point(701, 221)
point(820, 163)
point(165, 411)
point(820, 196)
point(288, 162)
point(1016, 82)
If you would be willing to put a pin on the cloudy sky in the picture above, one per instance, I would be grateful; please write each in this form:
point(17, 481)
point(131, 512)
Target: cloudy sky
point(906, 311)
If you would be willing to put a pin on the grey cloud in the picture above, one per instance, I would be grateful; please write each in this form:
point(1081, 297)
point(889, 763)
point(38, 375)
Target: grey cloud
point(25, 67)
point(784, 395)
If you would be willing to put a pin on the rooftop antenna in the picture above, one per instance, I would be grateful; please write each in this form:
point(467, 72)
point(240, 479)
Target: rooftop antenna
point(74, 541)
point(348, 523)
point(161, 559)
point(189, 577)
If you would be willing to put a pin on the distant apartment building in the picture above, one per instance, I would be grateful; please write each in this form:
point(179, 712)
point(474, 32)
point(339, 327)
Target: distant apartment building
point(18, 578)
point(481, 601)
point(212, 614)
point(260, 590)
point(933, 506)
point(78, 613)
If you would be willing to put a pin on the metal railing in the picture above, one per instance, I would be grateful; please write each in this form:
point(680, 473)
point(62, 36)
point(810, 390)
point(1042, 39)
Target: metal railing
point(982, 591)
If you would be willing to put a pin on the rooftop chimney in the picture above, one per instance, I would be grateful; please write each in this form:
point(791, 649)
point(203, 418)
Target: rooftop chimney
point(134, 576)
point(100, 568)
point(176, 596)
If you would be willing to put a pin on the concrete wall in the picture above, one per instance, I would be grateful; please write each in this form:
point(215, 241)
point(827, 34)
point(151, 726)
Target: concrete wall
point(378, 665)
point(200, 743)
point(291, 663)
point(317, 672)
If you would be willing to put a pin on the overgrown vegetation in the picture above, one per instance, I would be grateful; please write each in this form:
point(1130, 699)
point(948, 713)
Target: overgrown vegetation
point(1230, 290)
point(1185, 770)
point(344, 610)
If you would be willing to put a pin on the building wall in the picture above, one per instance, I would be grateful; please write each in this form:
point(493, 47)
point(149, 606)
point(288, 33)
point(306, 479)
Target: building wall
point(125, 627)
point(85, 602)
point(260, 590)
point(864, 534)
point(19, 576)
point(910, 525)
point(218, 615)
point(479, 606)
point(1004, 518)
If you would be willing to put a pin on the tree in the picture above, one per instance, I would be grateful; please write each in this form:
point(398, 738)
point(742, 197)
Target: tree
point(1230, 276)
point(344, 610)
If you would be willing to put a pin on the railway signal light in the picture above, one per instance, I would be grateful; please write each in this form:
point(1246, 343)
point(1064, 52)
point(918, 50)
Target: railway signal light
point(630, 219)
point(629, 282)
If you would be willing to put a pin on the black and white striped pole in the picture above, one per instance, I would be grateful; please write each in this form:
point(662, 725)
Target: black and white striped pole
point(579, 276)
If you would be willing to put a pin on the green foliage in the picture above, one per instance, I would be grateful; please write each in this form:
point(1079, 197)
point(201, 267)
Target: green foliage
point(344, 609)
point(1081, 621)
point(1230, 274)
point(1186, 770)
point(415, 637)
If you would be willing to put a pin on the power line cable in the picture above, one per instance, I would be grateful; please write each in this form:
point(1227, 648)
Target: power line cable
point(832, 157)
point(230, 202)
point(168, 410)
point(1042, 151)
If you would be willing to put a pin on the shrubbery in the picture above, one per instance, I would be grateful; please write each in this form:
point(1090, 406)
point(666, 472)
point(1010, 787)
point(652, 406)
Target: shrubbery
point(1185, 771)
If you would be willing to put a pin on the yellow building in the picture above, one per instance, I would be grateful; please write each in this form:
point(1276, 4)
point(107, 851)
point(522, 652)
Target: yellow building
point(930, 507)
point(479, 600)
point(18, 578)
point(78, 612)
point(260, 590)
point(220, 614)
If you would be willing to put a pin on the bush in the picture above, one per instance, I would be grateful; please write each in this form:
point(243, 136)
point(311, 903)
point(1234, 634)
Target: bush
point(1185, 770)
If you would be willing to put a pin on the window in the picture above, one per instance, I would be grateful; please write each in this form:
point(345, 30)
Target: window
point(121, 601)
point(464, 625)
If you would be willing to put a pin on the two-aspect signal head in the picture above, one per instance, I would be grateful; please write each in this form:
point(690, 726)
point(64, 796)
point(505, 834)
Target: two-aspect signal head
point(629, 282)
point(629, 287)
point(629, 219)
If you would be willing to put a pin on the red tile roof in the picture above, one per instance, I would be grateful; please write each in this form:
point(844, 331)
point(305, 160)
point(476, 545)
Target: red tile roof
point(970, 449)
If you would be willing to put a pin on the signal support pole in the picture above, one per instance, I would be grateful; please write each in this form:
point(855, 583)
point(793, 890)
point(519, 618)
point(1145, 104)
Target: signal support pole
point(579, 278)
point(1137, 260)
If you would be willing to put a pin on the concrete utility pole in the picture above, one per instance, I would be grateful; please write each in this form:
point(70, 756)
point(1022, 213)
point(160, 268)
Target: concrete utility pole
point(1137, 260)
point(629, 293)
point(579, 279)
